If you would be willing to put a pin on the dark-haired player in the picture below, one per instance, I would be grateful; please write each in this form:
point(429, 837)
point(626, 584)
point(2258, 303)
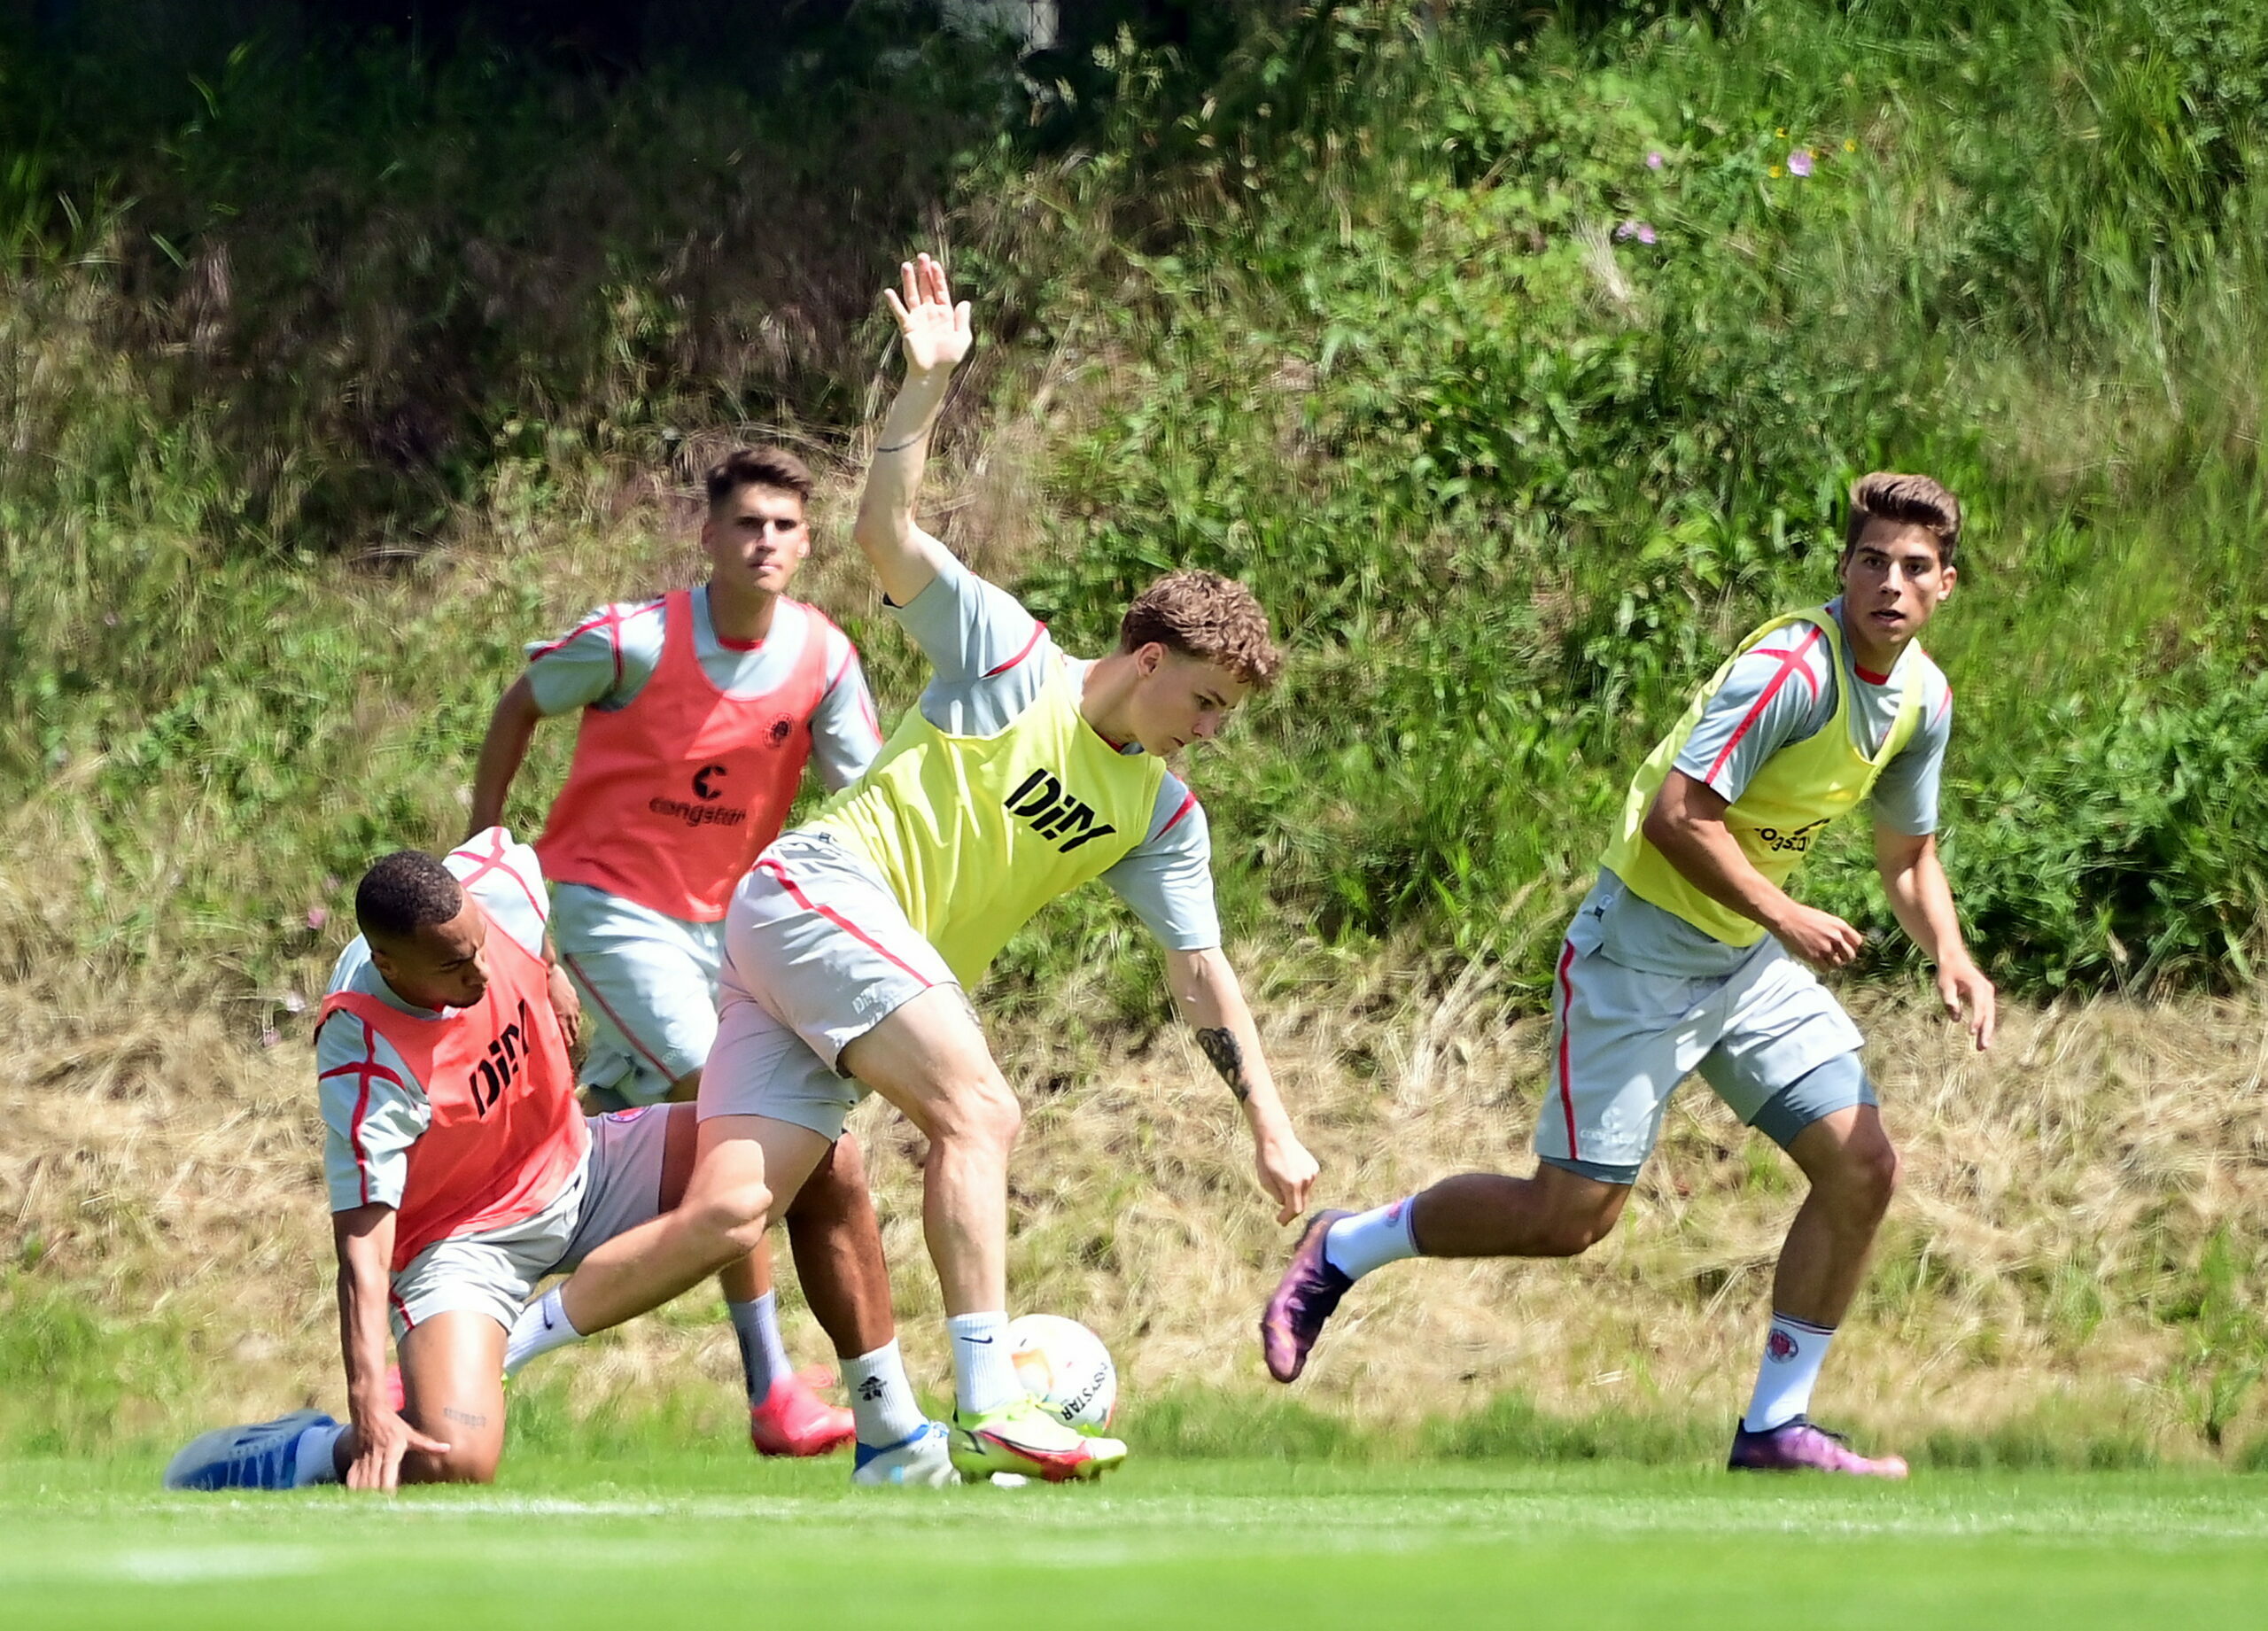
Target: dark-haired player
point(1022, 773)
point(462, 1171)
point(698, 712)
point(1689, 954)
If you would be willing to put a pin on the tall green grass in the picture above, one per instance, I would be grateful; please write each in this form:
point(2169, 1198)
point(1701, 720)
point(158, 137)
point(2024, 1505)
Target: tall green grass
point(1500, 350)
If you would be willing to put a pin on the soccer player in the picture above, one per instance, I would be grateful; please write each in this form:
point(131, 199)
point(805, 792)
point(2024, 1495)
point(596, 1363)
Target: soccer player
point(699, 710)
point(462, 1171)
point(1689, 954)
point(1022, 773)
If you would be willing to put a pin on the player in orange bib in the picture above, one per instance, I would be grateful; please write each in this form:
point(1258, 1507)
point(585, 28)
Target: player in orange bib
point(462, 1172)
point(698, 711)
point(1689, 954)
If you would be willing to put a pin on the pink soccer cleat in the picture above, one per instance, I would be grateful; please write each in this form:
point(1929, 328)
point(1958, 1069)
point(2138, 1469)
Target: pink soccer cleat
point(794, 1420)
point(1799, 1446)
point(1306, 1296)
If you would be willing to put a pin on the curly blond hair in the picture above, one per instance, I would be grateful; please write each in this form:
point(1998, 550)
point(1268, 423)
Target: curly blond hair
point(1205, 616)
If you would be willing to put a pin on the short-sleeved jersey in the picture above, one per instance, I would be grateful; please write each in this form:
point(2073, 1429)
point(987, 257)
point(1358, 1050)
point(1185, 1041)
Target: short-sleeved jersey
point(991, 659)
point(1780, 694)
point(605, 660)
point(374, 1107)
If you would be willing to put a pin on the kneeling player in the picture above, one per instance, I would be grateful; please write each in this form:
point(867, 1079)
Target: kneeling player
point(1679, 959)
point(462, 1172)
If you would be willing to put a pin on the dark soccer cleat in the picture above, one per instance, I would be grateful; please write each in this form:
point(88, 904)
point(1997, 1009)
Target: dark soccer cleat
point(1799, 1446)
point(1305, 1297)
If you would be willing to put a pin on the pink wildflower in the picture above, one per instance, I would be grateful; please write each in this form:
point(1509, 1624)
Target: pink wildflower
point(268, 1038)
point(1799, 161)
point(317, 916)
point(1653, 161)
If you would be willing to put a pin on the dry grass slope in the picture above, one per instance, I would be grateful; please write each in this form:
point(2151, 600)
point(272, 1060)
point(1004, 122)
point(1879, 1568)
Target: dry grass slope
point(2044, 1262)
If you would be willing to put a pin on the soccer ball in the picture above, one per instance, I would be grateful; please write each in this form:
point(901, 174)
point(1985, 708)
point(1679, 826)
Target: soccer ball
point(1066, 1368)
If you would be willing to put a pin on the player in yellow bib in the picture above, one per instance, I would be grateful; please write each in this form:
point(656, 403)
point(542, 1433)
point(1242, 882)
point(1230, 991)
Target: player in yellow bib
point(1021, 774)
point(1689, 954)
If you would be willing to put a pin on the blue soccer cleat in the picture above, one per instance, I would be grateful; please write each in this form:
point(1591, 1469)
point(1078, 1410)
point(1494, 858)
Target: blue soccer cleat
point(263, 1456)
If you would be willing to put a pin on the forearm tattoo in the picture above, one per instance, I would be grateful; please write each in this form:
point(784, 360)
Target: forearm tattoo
point(1220, 1047)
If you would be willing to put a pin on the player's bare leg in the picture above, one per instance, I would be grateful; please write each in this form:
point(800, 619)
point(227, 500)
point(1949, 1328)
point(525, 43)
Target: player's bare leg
point(1554, 1212)
point(453, 1388)
point(831, 1225)
point(930, 1060)
point(785, 1415)
point(1853, 1171)
point(719, 1220)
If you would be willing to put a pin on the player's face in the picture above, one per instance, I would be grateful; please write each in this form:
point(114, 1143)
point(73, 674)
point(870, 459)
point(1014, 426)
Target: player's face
point(756, 538)
point(441, 966)
point(1893, 580)
point(1178, 699)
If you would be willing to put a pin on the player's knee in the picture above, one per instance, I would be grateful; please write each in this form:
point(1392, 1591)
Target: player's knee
point(980, 1110)
point(1866, 1175)
point(461, 1464)
point(734, 1217)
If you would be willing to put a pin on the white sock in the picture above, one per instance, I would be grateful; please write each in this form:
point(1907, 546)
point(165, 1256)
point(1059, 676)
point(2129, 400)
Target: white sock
point(542, 1326)
point(318, 1456)
point(1371, 1239)
point(882, 1399)
point(1793, 1352)
point(984, 1378)
point(763, 1357)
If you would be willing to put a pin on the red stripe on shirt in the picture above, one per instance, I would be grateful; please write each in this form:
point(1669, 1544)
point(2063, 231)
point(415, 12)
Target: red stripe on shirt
point(1188, 804)
point(496, 860)
point(1038, 629)
point(370, 1067)
point(1791, 662)
point(787, 883)
point(1567, 1075)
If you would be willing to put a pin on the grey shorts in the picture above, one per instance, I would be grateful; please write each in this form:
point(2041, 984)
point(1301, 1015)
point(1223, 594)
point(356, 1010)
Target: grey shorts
point(648, 985)
point(1766, 1037)
point(816, 953)
point(617, 1187)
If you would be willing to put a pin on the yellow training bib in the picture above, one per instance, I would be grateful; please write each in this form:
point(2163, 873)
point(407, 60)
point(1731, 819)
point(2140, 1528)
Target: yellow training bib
point(975, 834)
point(1798, 791)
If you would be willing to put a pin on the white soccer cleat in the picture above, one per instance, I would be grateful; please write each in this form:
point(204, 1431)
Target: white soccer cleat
point(921, 1458)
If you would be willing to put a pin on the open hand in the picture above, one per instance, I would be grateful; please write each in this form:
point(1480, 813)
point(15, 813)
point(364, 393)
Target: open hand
point(936, 331)
point(381, 1439)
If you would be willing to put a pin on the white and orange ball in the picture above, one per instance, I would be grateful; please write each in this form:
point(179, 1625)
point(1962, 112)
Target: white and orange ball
point(1065, 1367)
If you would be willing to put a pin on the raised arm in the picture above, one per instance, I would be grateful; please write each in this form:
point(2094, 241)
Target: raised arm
point(1204, 990)
point(510, 729)
point(1914, 879)
point(936, 336)
point(1687, 824)
point(364, 1237)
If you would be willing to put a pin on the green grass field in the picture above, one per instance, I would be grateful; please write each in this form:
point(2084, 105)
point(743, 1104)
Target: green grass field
point(716, 1540)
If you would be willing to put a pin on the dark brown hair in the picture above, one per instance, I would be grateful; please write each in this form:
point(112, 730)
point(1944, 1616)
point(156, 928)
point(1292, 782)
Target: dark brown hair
point(1205, 616)
point(1911, 501)
point(758, 467)
point(404, 892)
